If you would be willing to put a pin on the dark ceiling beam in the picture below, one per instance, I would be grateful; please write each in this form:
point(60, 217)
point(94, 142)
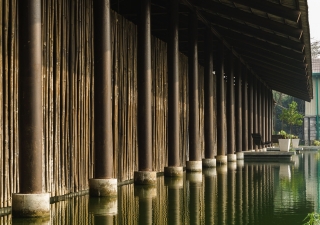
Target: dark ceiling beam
point(234, 38)
point(214, 7)
point(272, 8)
point(275, 68)
point(232, 25)
point(249, 49)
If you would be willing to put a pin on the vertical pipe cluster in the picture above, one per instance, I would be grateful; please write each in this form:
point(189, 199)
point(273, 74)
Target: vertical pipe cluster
point(230, 105)
point(30, 97)
point(240, 121)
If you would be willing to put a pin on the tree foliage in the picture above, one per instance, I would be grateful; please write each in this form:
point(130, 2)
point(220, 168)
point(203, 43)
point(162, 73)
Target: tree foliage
point(315, 48)
point(291, 115)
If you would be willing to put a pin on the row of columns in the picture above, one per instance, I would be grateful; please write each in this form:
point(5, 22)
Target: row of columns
point(246, 103)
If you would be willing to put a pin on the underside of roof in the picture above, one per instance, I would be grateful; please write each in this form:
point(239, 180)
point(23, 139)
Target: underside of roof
point(271, 37)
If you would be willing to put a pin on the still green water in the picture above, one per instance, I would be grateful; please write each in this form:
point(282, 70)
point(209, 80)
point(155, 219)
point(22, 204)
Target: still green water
point(238, 193)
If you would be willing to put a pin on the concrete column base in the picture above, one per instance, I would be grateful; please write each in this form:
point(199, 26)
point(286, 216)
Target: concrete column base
point(240, 155)
point(221, 159)
point(194, 166)
point(103, 206)
point(232, 157)
point(173, 171)
point(31, 205)
point(103, 187)
point(208, 163)
point(173, 182)
point(194, 177)
point(145, 177)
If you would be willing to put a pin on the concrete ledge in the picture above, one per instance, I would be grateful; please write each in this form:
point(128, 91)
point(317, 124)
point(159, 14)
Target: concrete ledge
point(232, 157)
point(194, 166)
point(273, 156)
point(103, 187)
point(173, 171)
point(31, 205)
point(209, 163)
point(240, 155)
point(221, 159)
point(145, 177)
point(103, 206)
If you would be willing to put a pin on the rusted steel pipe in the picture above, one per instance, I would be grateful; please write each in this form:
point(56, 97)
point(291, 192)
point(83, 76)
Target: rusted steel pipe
point(255, 108)
point(245, 111)
point(209, 97)
point(194, 146)
point(30, 97)
point(103, 142)
point(221, 132)
point(250, 113)
point(238, 107)
point(230, 105)
point(263, 108)
point(173, 85)
point(144, 87)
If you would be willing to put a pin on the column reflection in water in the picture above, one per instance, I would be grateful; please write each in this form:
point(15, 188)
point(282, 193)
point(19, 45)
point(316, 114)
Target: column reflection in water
point(29, 221)
point(239, 192)
point(104, 210)
point(222, 193)
point(145, 194)
point(195, 190)
point(232, 166)
point(246, 194)
point(210, 193)
point(175, 187)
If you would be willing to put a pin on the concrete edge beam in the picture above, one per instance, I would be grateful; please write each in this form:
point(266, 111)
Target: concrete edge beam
point(31, 205)
point(103, 187)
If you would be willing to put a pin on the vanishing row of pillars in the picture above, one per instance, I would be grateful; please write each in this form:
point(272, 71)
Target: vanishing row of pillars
point(248, 105)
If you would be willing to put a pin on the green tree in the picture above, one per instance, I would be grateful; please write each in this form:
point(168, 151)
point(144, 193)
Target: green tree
point(291, 115)
point(315, 48)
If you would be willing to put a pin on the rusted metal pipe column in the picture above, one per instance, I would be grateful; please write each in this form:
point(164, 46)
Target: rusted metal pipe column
point(145, 174)
point(230, 109)
point(30, 202)
point(194, 163)
point(238, 111)
point(174, 166)
point(259, 125)
point(245, 111)
point(255, 109)
point(263, 108)
point(102, 183)
point(250, 113)
point(221, 126)
point(271, 112)
point(209, 129)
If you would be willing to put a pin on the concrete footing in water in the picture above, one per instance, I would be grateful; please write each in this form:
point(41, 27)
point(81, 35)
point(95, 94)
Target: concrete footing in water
point(194, 166)
point(173, 171)
point(145, 177)
point(240, 155)
point(221, 159)
point(208, 163)
point(31, 205)
point(232, 157)
point(103, 187)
